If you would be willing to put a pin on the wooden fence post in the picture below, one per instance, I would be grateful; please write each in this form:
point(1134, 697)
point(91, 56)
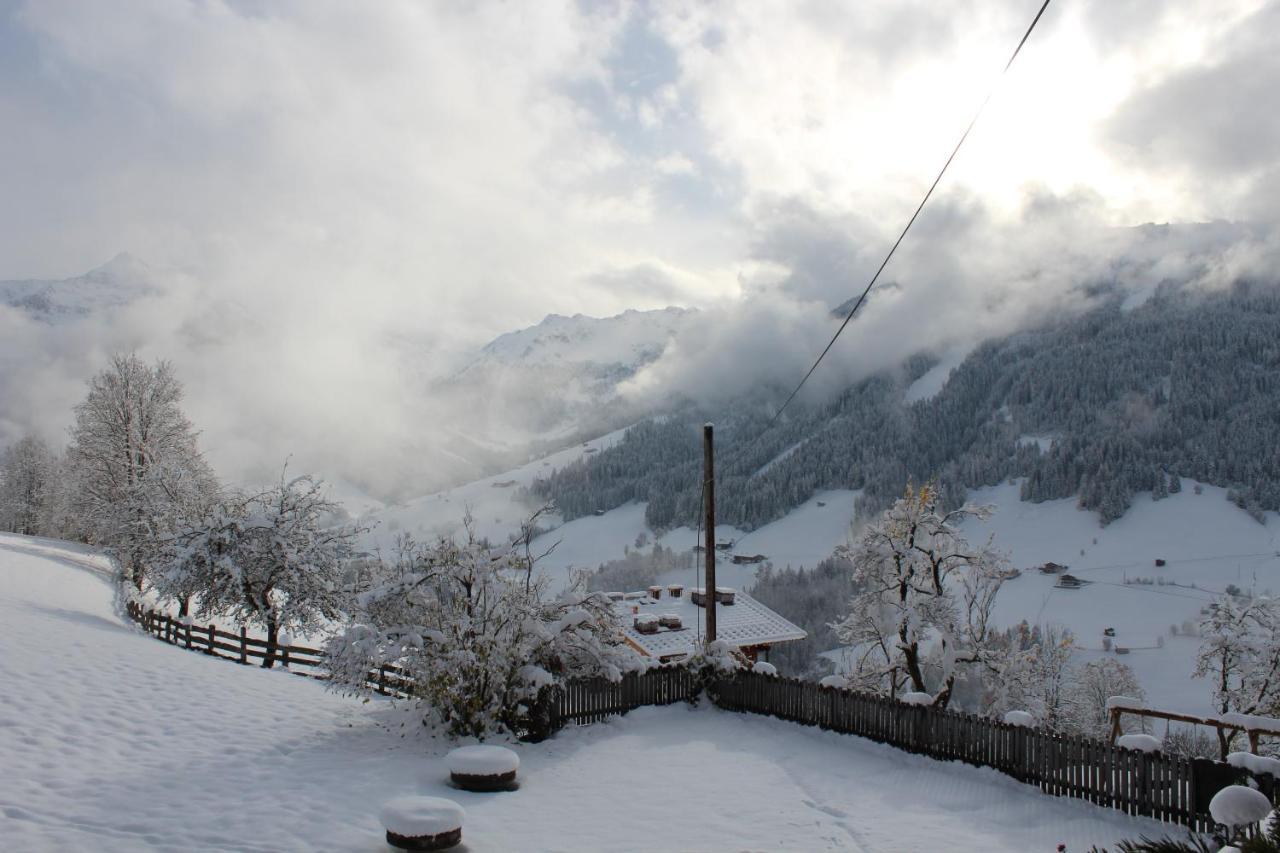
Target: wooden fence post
point(188, 632)
point(210, 650)
point(244, 644)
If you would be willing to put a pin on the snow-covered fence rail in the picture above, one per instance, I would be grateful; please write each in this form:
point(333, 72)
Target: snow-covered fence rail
point(1165, 787)
point(242, 648)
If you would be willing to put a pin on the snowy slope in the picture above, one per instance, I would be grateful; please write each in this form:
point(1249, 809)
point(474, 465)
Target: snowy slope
point(1206, 541)
point(495, 503)
point(113, 741)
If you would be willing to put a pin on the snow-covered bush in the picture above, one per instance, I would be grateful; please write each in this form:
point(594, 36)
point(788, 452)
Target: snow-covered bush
point(924, 599)
point(474, 629)
point(275, 559)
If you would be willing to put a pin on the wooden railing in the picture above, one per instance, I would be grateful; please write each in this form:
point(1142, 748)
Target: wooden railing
point(239, 646)
point(1165, 787)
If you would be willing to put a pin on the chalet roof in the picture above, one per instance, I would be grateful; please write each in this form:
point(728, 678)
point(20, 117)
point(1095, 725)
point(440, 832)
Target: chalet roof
point(746, 622)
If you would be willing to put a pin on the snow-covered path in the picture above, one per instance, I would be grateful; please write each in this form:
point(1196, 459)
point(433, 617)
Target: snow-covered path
point(112, 741)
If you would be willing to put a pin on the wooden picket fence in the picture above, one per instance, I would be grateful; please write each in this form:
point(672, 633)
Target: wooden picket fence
point(239, 646)
point(590, 700)
point(1165, 787)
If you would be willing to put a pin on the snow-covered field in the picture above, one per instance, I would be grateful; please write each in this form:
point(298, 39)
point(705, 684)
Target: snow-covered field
point(1204, 539)
point(113, 741)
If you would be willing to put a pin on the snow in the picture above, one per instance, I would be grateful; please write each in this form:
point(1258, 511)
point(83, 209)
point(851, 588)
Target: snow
point(1204, 539)
point(1125, 703)
point(1140, 742)
point(837, 681)
point(915, 698)
point(414, 817)
point(1237, 805)
point(764, 668)
point(803, 537)
point(114, 741)
point(935, 378)
point(1255, 763)
point(1020, 718)
point(482, 760)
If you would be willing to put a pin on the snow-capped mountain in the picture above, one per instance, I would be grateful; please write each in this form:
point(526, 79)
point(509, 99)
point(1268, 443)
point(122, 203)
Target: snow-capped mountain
point(115, 284)
point(551, 383)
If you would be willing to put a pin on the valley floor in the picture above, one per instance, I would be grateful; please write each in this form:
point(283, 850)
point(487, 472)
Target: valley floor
point(112, 741)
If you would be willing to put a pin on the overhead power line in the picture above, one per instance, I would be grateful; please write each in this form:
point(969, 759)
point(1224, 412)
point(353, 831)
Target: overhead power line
point(920, 207)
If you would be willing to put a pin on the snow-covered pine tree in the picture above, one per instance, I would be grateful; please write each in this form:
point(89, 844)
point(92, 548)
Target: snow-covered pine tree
point(276, 559)
point(475, 630)
point(135, 461)
point(924, 599)
point(25, 470)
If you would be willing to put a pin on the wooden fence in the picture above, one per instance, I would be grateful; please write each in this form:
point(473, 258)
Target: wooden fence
point(1165, 787)
point(590, 700)
point(239, 646)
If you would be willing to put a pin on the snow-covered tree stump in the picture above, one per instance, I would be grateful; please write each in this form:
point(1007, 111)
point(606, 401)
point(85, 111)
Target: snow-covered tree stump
point(483, 768)
point(423, 823)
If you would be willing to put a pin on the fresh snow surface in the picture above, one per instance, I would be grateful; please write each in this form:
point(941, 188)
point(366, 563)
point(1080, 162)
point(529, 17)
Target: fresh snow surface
point(915, 697)
point(764, 668)
point(114, 741)
point(1255, 763)
point(414, 817)
point(1140, 742)
point(1020, 718)
point(1204, 539)
point(1237, 805)
point(482, 760)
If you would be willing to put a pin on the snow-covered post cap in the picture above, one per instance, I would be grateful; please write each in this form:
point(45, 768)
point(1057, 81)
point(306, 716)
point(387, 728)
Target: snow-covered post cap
point(1020, 718)
point(916, 698)
point(422, 823)
point(483, 767)
point(1236, 806)
point(837, 681)
point(1140, 742)
point(763, 667)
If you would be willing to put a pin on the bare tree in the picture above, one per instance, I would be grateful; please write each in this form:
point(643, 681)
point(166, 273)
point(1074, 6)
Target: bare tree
point(135, 460)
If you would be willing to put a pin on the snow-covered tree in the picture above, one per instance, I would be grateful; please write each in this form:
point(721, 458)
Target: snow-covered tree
point(924, 598)
point(1034, 675)
point(1240, 655)
point(275, 559)
point(25, 469)
point(474, 629)
point(1090, 687)
point(136, 464)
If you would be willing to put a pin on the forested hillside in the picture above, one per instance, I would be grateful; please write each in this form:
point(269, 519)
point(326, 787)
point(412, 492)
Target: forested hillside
point(1102, 406)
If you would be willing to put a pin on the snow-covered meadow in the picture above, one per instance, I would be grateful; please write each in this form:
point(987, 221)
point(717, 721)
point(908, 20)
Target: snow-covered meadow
point(113, 741)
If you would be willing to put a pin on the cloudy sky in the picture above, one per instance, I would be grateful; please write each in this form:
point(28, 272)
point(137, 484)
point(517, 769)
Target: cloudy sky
point(348, 173)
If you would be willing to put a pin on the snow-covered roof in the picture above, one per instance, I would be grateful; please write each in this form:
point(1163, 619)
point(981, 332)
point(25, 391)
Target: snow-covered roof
point(746, 622)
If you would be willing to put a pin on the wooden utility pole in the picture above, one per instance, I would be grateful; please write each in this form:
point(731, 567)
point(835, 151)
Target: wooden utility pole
point(709, 480)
